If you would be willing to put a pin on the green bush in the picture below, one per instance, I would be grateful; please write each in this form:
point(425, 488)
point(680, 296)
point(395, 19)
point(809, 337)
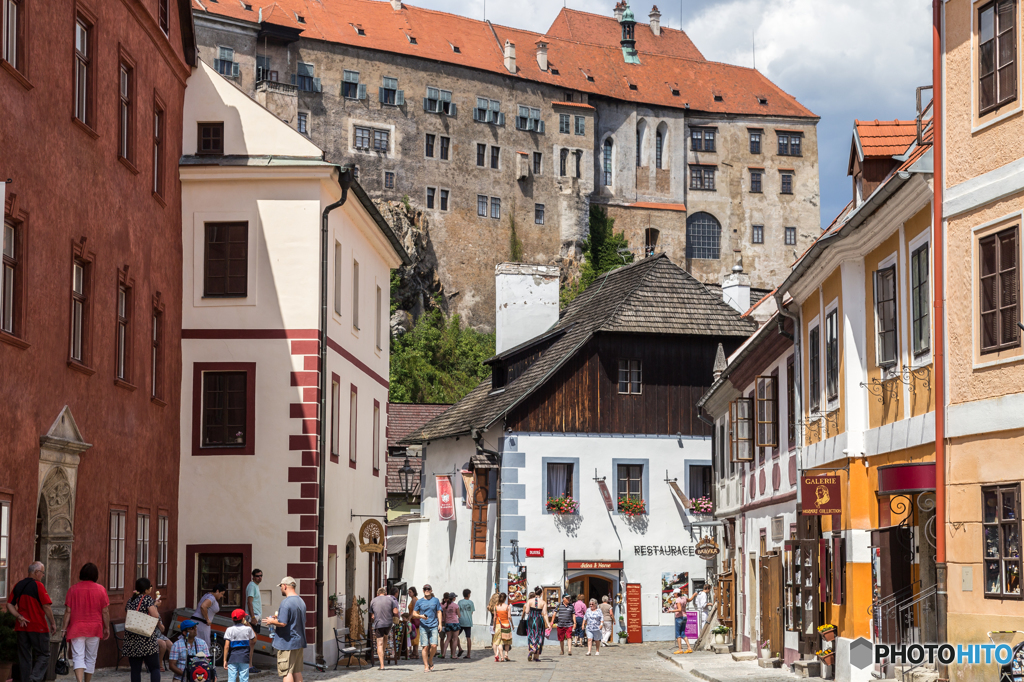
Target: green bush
point(8, 640)
point(600, 253)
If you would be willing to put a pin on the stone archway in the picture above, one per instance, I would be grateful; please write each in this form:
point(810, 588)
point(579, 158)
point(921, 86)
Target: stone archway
point(59, 455)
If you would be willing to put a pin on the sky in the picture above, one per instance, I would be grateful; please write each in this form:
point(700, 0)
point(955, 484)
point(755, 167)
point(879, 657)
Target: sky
point(842, 59)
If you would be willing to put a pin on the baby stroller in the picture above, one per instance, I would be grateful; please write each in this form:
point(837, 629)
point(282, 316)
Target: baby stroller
point(198, 668)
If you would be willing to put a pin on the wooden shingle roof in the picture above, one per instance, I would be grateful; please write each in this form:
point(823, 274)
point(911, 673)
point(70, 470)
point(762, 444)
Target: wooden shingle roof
point(651, 296)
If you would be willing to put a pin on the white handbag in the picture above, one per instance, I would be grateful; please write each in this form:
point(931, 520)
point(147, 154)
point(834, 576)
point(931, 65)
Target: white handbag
point(140, 622)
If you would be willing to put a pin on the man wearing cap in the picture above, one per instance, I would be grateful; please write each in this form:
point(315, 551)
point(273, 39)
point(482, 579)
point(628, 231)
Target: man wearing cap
point(289, 632)
point(187, 645)
point(426, 613)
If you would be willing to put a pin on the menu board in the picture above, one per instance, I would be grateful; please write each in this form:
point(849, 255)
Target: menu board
point(634, 615)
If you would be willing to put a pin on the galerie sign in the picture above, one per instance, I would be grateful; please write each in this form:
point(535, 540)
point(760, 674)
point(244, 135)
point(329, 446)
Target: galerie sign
point(445, 499)
point(821, 495)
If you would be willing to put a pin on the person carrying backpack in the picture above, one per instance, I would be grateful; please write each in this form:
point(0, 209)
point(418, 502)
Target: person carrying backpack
point(30, 604)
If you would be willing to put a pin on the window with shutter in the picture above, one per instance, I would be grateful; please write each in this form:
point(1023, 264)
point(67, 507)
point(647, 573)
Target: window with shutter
point(563, 123)
point(999, 284)
point(741, 430)
point(814, 368)
point(997, 54)
point(350, 85)
point(481, 493)
point(389, 93)
point(832, 354)
point(920, 300)
point(767, 412)
point(885, 316)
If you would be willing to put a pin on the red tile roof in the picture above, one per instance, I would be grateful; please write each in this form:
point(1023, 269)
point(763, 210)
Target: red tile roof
point(657, 206)
point(882, 139)
point(578, 105)
point(404, 418)
point(578, 44)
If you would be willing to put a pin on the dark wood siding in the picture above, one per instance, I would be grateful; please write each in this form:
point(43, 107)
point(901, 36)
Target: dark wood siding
point(583, 397)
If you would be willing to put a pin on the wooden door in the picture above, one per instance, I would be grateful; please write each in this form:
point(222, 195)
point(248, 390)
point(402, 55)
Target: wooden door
point(774, 626)
point(724, 599)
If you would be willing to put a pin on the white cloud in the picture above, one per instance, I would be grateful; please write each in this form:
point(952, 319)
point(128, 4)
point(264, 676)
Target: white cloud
point(842, 59)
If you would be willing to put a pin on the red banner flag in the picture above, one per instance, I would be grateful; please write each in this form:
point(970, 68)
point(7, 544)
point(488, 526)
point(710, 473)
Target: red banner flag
point(605, 495)
point(445, 498)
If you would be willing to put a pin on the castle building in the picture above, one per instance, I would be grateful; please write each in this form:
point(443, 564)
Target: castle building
point(483, 127)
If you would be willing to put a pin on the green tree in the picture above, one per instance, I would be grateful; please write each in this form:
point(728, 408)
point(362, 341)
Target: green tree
point(601, 253)
point(439, 361)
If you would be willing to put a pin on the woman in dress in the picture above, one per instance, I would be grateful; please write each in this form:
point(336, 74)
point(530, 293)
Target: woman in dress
point(414, 625)
point(208, 607)
point(139, 648)
point(536, 623)
point(592, 621)
point(86, 620)
point(502, 640)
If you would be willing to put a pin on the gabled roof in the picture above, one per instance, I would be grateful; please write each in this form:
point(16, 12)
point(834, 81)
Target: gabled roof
point(881, 139)
point(404, 418)
point(579, 44)
point(650, 296)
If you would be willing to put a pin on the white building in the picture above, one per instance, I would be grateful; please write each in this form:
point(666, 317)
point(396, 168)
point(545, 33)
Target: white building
point(601, 406)
point(254, 193)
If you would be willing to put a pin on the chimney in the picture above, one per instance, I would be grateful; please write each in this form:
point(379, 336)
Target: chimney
point(542, 55)
point(736, 289)
point(655, 17)
point(396, 5)
point(510, 56)
point(620, 7)
point(720, 363)
point(526, 298)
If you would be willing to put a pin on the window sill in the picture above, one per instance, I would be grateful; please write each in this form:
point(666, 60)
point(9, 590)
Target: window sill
point(351, 464)
point(376, 472)
point(18, 75)
point(79, 367)
point(14, 340)
point(156, 401)
point(160, 200)
point(121, 383)
point(85, 127)
point(128, 164)
point(335, 459)
point(231, 450)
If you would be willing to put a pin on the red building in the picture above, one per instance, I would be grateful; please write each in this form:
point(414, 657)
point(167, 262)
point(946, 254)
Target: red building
point(90, 290)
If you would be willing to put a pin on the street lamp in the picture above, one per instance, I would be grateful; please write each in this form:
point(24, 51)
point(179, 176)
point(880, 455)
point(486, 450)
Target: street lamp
point(406, 480)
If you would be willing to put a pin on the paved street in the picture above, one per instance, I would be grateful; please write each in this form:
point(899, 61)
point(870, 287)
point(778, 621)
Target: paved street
point(629, 663)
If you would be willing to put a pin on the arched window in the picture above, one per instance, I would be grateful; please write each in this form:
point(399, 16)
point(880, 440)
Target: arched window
point(641, 134)
point(703, 236)
point(563, 157)
point(607, 162)
point(659, 145)
point(650, 241)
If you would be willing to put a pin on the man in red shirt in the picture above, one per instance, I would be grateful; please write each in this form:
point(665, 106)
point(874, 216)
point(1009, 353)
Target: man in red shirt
point(30, 604)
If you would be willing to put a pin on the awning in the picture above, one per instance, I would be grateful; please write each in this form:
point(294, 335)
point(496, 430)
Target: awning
point(396, 544)
point(896, 479)
point(482, 460)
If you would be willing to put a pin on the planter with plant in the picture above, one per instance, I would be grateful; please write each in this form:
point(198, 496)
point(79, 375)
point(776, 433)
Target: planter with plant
point(622, 636)
point(827, 631)
point(702, 507)
point(8, 645)
point(827, 656)
point(721, 634)
point(563, 505)
point(632, 506)
point(766, 650)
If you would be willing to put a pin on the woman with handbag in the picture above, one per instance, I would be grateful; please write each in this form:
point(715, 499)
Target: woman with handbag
point(537, 625)
point(138, 647)
point(86, 620)
point(502, 640)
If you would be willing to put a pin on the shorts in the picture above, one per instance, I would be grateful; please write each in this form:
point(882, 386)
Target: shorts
point(564, 634)
point(428, 636)
point(289, 662)
point(594, 634)
point(382, 632)
point(467, 631)
point(452, 627)
point(681, 627)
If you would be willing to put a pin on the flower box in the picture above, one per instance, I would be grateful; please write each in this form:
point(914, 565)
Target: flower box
point(827, 656)
point(632, 506)
point(563, 505)
point(827, 632)
point(701, 506)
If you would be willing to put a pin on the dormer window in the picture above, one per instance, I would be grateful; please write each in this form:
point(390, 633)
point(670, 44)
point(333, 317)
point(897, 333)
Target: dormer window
point(763, 101)
point(358, 29)
point(299, 18)
point(554, 72)
point(632, 86)
point(675, 92)
point(456, 49)
point(719, 98)
point(412, 41)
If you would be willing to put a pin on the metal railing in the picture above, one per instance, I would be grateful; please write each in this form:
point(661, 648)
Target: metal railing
point(908, 616)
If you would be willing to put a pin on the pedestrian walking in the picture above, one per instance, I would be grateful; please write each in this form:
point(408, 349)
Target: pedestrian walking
point(86, 620)
point(502, 640)
point(466, 610)
point(606, 624)
point(452, 629)
point(289, 631)
point(142, 649)
point(537, 624)
point(239, 642)
point(580, 610)
point(187, 646)
point(383, 610)
point(30, 605)
point(594, 618)
point(702, 602)
point(209, 606)
point(564, 618)
point(679, 609)
point(427, 610)
point(414, 624)
point(254, 606)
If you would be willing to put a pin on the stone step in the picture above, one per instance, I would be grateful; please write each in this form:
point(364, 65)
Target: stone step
point(721, 648)
point(770, 662)
point(807, 668)
point(744, 656)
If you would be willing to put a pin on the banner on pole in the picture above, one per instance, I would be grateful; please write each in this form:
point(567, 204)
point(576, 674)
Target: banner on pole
point(445, 498)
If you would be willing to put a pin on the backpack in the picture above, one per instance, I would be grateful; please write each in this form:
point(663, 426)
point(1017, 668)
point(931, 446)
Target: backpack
point(198, 669)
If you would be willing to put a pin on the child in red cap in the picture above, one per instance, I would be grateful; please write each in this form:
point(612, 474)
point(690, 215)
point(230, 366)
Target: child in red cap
point(239, 641)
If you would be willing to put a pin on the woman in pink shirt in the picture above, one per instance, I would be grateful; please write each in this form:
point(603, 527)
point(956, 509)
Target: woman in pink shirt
point(86, 620)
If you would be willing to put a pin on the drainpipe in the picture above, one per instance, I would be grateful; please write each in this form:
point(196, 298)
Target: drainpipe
point(345, 181)
point(940, 323)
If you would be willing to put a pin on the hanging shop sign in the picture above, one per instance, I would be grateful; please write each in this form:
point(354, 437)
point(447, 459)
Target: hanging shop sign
point(821, 495)
point(371, 536)
point(634, 616)
point(535, 552)
point(467, 480)
point(605, 495)
point(445, 498)
point(707, 548)
point(606, 565)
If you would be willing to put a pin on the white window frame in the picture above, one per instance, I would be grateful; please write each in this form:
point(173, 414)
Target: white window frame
point(335, 418)
point(337, 277)
point(163, 529)
point(832, 404)
point(378, 327)
point(890, 261)
point(917, 242)
point(115, 558)
point(355, 296)
point(141, 545)
point(5, 546)
point(815, 323)
point(353, 423)
point(376, 435)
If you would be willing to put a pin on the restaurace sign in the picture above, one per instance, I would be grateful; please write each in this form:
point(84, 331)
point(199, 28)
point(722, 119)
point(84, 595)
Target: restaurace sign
point(664, 550)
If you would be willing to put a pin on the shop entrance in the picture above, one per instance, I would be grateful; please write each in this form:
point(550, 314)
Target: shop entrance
point(592, 587)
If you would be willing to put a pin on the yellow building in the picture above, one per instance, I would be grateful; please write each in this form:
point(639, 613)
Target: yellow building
point(983, 201)
point(863, 297)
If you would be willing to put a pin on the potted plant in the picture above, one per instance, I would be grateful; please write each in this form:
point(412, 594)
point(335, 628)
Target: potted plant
point(332, 601)
point(632, 506)
point(564, 504)
point(622, 636)
point(702, 507)
point(827, 656)
point(827, 631)
point(721, 634)
point(766, 651)
point(8, 645)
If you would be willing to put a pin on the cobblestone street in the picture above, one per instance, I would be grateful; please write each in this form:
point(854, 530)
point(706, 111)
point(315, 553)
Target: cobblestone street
point(629, 663)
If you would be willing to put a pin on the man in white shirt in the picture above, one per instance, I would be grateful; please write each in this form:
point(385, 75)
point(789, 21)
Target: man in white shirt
point(254, 606)
point(702, 603)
